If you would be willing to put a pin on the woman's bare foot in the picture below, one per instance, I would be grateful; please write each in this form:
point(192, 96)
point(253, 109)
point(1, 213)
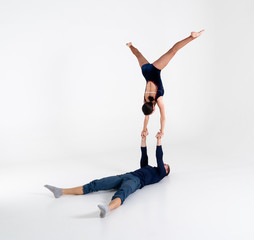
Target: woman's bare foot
point(196, 34)
point(129, 44)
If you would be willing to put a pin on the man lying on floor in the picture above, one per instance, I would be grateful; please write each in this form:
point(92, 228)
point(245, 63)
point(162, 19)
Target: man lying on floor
point(125, 184)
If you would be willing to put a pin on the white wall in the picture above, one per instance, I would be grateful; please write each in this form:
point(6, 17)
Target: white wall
point(68, 83)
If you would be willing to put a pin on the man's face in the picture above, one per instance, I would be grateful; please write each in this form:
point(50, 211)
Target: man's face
point(166, 168)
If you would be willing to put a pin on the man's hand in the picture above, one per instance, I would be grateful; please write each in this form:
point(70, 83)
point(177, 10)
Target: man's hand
point(144, 133)
point(159, 134)
point(143, 142)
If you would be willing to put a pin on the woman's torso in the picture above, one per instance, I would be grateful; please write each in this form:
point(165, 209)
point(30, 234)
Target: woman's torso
point(154, 85)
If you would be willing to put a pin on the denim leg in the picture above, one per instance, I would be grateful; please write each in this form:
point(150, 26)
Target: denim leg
point(129, 185)
point(106, 183)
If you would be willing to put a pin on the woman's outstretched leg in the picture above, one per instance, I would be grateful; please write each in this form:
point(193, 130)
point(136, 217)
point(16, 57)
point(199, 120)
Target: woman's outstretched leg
point(165, 58)
point(137, 53)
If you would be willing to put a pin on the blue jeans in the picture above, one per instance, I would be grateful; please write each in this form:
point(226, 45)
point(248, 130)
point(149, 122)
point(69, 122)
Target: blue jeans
point(125, 184)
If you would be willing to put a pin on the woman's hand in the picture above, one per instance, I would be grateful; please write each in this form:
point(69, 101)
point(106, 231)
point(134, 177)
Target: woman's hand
point(159, 134)
point(144, 133)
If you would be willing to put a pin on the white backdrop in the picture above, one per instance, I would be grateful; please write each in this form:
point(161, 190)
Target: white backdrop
point(70, 88)
point(69, 84)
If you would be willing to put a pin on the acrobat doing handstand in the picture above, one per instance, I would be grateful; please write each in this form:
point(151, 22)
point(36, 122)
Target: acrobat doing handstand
point(154, 88)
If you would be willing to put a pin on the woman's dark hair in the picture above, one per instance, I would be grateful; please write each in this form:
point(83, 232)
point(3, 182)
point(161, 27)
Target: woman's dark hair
point(147, 108)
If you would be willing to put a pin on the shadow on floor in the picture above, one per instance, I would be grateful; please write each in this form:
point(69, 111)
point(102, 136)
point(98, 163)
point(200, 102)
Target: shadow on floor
point(94, 214)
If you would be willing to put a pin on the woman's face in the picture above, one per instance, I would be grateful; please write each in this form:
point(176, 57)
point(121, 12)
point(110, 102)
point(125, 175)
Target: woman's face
point(153, 110)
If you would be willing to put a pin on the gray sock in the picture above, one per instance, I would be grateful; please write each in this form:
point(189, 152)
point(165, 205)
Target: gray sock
point(57, 191)
point(104, 210)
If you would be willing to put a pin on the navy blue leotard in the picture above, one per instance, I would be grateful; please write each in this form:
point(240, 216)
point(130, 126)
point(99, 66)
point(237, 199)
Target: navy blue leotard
point(151, 73)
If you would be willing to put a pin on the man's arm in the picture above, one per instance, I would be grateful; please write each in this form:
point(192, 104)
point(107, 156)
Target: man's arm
point(144, 157)
point(159, 155)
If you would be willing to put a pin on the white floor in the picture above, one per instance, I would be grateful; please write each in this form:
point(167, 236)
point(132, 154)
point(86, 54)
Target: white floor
point(206, 196)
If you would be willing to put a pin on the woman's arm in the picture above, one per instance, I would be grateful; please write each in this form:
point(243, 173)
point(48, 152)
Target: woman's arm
point(144, 132)
point(162, 112)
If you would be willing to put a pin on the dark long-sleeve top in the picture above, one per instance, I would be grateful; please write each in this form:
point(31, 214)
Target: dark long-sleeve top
point(147, 174)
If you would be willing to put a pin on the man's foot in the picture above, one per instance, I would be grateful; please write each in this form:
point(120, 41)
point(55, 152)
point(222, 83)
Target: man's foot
point(196, 34)
point(129, 44)
point(56, 191)
point(104, 210)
